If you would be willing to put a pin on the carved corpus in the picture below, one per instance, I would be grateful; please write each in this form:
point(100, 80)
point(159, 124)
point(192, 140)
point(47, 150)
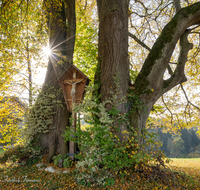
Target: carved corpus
point(73, 83)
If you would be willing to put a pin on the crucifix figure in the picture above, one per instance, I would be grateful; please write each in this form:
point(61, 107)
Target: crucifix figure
point(73, 83)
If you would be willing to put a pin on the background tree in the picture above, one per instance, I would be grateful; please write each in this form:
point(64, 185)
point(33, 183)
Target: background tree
point(21, 39)
point(86, 45)
point(179, 144)
point(194, 137)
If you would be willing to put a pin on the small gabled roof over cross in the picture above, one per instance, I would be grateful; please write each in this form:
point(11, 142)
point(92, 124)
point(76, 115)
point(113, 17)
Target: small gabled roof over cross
point(68, 74)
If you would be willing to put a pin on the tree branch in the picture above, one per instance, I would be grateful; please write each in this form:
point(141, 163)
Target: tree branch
point(154, 67)
point(167, 109)
point(179, 75)
point(170, 70)
point(177, 5)
point(162, 10)
point(21, 85)
point(172, 63)
point(188, 98)
point(139, 41)
point(141, 3)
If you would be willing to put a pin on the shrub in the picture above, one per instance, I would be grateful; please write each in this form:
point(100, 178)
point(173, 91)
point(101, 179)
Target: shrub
point(67, 163)
point(22, 155)
point(106, 150)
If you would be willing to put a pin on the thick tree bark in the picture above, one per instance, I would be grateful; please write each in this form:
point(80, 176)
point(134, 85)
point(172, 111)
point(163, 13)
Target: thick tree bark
point(113, 49)
point(61, 40)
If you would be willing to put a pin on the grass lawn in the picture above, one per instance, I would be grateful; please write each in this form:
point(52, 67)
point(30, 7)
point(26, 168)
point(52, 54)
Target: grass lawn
point(190, 166)
point(29, 177)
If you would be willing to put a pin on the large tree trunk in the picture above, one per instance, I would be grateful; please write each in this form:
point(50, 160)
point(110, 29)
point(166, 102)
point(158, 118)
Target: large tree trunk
point(113, 49)
point(113, 57)
point(61, 41)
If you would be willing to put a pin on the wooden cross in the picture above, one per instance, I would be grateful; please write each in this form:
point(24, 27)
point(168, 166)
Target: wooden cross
point(73, 82)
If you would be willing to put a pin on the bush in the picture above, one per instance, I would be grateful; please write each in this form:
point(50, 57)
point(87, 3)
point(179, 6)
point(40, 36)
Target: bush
point(67, 163)
point(13, 154)
point(22, 155)
point(106, 150)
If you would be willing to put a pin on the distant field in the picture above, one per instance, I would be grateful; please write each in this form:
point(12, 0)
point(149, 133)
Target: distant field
point(186, 159)
point(193, 163)
point(190, 166)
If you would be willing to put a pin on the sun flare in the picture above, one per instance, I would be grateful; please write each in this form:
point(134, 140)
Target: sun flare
point(46, 50)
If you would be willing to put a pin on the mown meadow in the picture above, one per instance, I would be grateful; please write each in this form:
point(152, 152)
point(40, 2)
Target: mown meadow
point(12, 176)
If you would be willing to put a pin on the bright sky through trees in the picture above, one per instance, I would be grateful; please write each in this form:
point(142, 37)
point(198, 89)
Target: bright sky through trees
point(46, 50)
